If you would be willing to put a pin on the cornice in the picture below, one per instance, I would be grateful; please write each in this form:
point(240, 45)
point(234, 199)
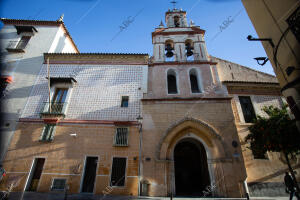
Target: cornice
point(182, 63)
point(96, 58)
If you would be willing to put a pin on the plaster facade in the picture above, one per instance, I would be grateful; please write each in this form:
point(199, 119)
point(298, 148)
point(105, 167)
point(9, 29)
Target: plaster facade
point(203, 108)
point(23, 67)
point(277, 21)
point(264, 176)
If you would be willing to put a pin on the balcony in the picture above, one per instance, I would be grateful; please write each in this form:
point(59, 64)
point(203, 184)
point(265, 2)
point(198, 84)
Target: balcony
point(16, 46)
point(54, 110)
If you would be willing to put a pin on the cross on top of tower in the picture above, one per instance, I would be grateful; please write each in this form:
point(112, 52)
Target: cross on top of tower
point(174, 3)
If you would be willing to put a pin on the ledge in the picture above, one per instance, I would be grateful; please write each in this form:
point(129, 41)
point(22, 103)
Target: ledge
point(14, 50)
point(188, 99)
point(183, 63)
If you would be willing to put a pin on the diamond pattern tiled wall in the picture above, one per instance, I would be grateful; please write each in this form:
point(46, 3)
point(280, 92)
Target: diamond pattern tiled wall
point(97, 94)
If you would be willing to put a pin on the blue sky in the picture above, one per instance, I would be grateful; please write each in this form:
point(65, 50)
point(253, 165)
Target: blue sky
point(94, 23)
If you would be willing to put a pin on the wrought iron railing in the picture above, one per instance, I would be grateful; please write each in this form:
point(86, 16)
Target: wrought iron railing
point(17, 45)
point(54, 108)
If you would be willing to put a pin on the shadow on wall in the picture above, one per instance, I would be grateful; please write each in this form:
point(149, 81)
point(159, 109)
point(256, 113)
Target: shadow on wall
point(273, 175)
point(11, 35)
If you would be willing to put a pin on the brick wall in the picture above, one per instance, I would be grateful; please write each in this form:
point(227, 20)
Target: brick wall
point(65, 153)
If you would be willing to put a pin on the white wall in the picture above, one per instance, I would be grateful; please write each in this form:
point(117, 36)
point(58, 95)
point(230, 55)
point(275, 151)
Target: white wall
point(61, 43)
point(23, 67)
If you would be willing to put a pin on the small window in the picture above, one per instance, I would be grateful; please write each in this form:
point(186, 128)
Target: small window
point(194, 81)
point(124, 101)
point(121, 137)
point(247, 108)
point(48, 133)
point(118, 172)
point(172, 83)
point(58, 184)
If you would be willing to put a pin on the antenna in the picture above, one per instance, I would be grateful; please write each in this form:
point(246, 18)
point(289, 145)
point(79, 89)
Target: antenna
point(174, 3)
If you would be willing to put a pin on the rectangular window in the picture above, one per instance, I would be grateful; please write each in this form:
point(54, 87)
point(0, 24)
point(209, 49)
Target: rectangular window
point(121, 137)
point(118, 172)
point(125, 100)
point(247, 108)
point(48, 133)
point(58, 184)
point(58, 100)
point(23, 42)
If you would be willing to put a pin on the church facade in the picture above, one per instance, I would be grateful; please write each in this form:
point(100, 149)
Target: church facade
point(127, 124)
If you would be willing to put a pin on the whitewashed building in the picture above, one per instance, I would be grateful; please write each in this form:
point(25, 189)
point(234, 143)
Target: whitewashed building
point(23, 43)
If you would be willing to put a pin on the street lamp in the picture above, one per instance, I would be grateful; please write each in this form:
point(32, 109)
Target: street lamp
point(250, 38)
point(140, 123)
point(261, 60)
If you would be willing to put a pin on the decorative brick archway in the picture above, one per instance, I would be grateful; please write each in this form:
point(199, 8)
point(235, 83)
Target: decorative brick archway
point(216, 149)
point(203, 130)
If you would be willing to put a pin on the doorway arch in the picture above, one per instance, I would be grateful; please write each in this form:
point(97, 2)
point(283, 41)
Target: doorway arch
point(191, 168)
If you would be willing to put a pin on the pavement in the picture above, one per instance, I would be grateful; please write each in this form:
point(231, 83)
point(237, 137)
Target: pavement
point(60, 196)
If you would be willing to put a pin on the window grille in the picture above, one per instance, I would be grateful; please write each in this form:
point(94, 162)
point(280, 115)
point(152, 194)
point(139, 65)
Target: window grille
point(294, 23)
point(121, 137)
point(247, 108)
point(48, 133)
point(58, 184)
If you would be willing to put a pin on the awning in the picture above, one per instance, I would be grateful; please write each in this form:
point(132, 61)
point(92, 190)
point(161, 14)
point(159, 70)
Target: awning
point(26, 29)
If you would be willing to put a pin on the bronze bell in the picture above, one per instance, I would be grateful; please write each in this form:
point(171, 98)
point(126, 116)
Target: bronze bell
point(169, 50)
point(189, 49)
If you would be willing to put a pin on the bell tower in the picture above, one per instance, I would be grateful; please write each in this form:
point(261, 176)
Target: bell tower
point(178, 41)
point(176, 18)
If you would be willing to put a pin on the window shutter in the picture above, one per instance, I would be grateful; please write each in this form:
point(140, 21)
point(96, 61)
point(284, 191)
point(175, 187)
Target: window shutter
point(52, 131)
point(48, 133)
point(43, 132)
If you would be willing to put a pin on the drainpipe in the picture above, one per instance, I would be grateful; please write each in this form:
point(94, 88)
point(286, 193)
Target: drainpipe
point(139, 118)
point(246, 189)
